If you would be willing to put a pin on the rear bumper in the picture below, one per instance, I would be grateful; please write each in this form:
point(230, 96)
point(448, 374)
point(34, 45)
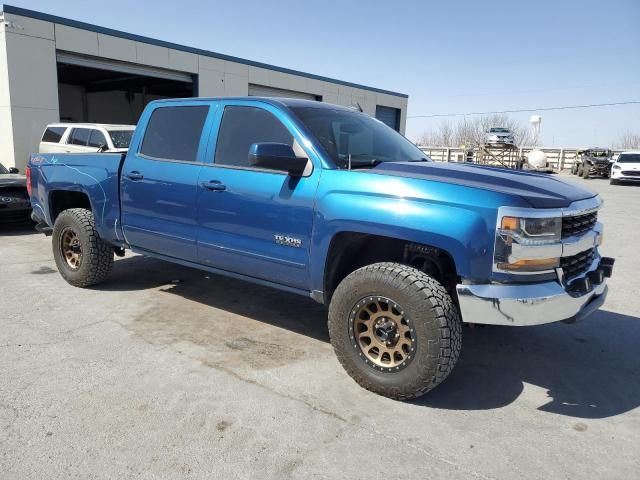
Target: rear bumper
point(536, 304)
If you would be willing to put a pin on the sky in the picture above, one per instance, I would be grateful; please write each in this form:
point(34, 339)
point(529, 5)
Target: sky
point(449, 56)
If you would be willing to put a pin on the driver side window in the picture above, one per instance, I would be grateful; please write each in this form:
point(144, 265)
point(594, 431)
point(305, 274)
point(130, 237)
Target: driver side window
point(242, 126)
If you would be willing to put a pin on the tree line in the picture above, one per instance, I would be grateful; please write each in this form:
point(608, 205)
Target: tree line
point(472, 132)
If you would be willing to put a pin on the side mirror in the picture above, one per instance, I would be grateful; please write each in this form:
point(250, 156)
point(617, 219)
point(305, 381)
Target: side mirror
point(277, 156)
point(13, 170)
point(103, 147)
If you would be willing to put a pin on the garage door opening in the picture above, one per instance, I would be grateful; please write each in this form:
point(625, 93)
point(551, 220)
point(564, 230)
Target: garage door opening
point(98, 91)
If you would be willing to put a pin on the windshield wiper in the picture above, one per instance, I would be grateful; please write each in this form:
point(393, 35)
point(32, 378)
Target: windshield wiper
point(360, 163)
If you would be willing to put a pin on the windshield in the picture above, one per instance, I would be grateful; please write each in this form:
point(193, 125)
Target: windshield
point(356, 137)
point(499, 130)
point(3, 169)
point(599, 153)
point(629, 158)
point(121, 138)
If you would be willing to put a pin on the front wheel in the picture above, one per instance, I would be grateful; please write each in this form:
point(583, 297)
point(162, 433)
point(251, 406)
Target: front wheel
point(82, 257)
point(395, 330)
point(574, 169)
point(585, 171)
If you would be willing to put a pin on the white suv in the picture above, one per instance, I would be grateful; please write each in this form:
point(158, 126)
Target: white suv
point(85, 137)
point(626, 167)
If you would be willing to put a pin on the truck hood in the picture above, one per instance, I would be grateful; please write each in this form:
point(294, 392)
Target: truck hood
point(539, 190)
point(13, 180)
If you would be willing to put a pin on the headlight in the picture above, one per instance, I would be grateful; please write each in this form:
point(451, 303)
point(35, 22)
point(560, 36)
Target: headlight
point(528, 244)
point(617, 167)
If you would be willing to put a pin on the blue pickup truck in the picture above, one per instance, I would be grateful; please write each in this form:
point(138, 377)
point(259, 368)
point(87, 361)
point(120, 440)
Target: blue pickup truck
point(327, 202)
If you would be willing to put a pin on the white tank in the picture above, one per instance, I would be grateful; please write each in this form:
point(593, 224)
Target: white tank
point(537, 159)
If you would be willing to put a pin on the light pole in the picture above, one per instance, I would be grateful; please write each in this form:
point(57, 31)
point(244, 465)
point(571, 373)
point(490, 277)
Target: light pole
point(536, 121)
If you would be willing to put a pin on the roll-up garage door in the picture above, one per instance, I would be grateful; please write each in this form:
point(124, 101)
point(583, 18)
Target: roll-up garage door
point(262, 91)
point(389, 116)
point(122, 67)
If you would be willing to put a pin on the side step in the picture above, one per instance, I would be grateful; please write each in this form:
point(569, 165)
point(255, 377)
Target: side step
point(41, 226)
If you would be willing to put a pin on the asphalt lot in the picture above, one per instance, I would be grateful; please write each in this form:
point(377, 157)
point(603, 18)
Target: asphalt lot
point(167, 372)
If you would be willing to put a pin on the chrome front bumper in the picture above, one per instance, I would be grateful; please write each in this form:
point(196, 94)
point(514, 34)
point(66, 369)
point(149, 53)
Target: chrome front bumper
point(534, 304)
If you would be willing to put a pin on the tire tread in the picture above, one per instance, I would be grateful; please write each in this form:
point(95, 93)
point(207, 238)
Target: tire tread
point(99, 255)
point(446, 315)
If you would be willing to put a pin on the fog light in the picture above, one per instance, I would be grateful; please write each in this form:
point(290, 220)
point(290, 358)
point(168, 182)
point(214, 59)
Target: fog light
point(536, 265)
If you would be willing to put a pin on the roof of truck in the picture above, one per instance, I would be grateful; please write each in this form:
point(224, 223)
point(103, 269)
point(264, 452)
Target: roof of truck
point(280, 101)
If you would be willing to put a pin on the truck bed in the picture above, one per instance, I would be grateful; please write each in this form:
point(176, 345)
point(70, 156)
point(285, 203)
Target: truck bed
point(59, 176)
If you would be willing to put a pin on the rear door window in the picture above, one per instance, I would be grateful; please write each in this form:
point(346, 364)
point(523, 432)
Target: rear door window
point(243, 126)
point(173, 133)
point(96, 139)
point(53, 134)
point(79, 136)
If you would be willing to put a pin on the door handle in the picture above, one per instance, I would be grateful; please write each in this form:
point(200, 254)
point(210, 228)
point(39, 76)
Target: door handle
point(135, 175)
point(215, 185)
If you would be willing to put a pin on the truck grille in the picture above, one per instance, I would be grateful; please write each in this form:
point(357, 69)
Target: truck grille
point(577, 264)
point(631, 173)
point(578, 224)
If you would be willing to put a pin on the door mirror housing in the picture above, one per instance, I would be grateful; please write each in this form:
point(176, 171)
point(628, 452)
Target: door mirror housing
point(277, 156)
point(13, 170)
point(103, 147)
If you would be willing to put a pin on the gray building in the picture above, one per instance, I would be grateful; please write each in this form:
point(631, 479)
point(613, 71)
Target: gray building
point(56, 69)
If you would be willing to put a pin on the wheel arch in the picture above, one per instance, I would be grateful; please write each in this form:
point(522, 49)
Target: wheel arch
point(351, 250)
point(61, 200)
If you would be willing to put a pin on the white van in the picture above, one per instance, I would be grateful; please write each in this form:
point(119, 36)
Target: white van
point(85, 137)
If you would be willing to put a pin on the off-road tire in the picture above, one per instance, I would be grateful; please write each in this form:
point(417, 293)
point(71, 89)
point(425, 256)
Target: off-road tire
point(434, 317)
point(585, 172)
point(97, 255)
point(574, 169)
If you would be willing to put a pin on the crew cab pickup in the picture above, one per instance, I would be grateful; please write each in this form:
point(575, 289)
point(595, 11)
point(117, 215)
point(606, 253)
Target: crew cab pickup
point(327, 202)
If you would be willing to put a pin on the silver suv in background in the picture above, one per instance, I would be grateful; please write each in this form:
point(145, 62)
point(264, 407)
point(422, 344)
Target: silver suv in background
point(85, 137)
point(499, 136)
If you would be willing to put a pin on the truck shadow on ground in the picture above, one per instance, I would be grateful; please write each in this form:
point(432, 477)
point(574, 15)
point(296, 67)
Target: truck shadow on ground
point(267, 305)
point(585, 370)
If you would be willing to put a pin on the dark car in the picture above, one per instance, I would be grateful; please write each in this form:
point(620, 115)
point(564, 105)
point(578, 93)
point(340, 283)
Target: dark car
point(14, 199)
point(592, 161)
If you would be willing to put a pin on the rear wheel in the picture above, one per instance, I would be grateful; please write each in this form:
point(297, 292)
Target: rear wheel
point(585, 171)
point(82, 257)
point(395, 330)
point(574, 168)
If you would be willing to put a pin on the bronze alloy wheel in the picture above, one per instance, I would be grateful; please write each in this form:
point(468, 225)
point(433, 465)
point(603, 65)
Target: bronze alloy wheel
point(70, 248)
point(382, 334)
